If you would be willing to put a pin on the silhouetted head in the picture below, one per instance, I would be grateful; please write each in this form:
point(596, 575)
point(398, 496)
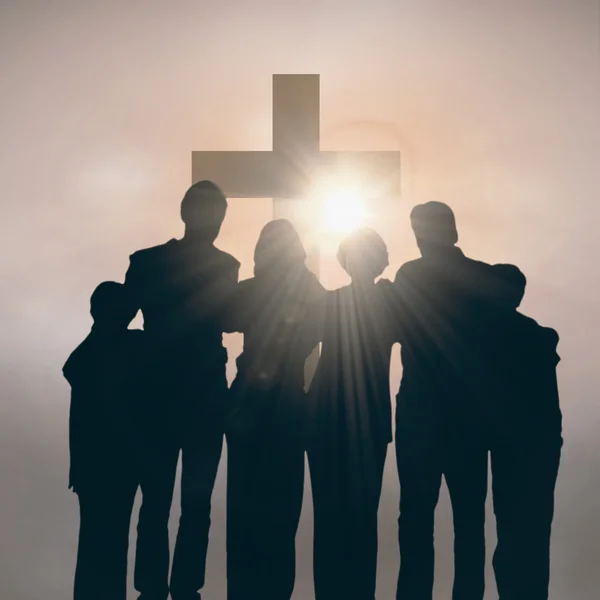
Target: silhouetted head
point(110, 306)
point(363, 255)
point(434, 226)
point(511, 285)
point(203, 210)
point(278, 248)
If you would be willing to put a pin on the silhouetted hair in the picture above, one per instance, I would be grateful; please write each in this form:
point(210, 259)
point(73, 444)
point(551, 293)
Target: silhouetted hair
point(363, 253)
point(110, 304)
point(511, 283)
point(204, 207)
point(434, 224)
point(278, 247)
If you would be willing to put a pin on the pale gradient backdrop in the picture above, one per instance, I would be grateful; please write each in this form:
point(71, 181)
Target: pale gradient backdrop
point(495, 106)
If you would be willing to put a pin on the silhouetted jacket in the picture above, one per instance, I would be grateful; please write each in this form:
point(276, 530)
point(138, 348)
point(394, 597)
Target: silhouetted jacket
point(444, 311)
point(184, 291)
point(272, 311)
point(104, 372)
point(350, 394)
point(524, 357)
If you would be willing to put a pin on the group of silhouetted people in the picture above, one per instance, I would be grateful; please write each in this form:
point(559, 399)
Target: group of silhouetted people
point(479, 381)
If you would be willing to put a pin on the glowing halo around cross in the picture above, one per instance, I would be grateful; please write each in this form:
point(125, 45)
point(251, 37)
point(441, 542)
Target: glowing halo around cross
point(342, 208)
point(343, 211)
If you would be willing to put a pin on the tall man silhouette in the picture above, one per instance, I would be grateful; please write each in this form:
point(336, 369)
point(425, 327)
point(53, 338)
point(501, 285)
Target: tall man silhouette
point(438, 419)
point(182, 288)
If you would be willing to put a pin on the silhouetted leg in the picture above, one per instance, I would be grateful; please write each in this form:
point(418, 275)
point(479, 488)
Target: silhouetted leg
point(362, 526)
point(420, 472)
point(104, 540)
point(264, 500)
point(523, 485)
point(466, 478)
point(502, 485)
point(201, 454)
point(331, 520)
point(152, 550)
point(242, 526)
point(346, 498)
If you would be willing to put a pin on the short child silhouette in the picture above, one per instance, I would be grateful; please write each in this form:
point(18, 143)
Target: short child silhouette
point(104, 442)
point(352, 425)
point(525, 441)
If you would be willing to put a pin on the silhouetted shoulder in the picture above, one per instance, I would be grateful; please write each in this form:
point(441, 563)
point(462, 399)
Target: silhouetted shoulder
point(142, 262)
point(528, 337)
point(551, 336)
point(313, 290)
point(150, 254)
point(136, 334)
point(246, 286)
point(226, 259)
point(136, 337)
point(74, 367)
point(384, 285)
point(408, 269)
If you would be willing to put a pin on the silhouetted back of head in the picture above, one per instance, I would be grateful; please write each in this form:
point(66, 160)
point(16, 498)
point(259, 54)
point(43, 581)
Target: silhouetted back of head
point(278, 248)
point(110, 305)
point(511, 285)
point(434, 226)
point(363, 254)
point(203, 210)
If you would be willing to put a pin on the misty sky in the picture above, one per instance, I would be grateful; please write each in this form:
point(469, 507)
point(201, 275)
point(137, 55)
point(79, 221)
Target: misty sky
point(494, 105)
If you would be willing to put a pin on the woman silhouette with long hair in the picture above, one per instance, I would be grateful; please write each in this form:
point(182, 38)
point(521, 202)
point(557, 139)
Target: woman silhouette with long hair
point(265, 427)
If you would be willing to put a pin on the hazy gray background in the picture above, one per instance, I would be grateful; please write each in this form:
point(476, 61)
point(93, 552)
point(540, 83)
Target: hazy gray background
point(495, 106)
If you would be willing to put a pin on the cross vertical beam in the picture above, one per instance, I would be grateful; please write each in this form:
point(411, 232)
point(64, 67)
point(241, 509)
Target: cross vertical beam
point(296, 132)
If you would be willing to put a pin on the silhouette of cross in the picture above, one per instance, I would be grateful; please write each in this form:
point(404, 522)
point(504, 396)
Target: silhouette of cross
point(287, 173)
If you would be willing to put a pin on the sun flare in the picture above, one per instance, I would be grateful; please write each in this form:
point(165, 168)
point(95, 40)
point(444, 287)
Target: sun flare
point(343, 210)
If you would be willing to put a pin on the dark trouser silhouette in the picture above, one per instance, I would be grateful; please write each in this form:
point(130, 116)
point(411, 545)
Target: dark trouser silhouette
point(265, 484)
point(346, 500)
point(105, 508)
point(422, 459)
point(196, 431)
point(523, 482)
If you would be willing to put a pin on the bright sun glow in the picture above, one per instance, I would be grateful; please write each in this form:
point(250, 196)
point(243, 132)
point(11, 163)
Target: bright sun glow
point(343, 210)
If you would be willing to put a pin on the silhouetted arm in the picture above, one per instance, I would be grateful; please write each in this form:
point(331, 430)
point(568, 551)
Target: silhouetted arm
point(311, 331)
point(402, 298)
point(71, 372)
point(232, 295)
point(133, 281)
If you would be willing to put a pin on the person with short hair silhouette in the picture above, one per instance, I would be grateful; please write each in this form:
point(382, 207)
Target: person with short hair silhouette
point(265, 442)
point(525, 442)
point(443, 301)
point(351, 422)
point(103, 431)
point(183, 289)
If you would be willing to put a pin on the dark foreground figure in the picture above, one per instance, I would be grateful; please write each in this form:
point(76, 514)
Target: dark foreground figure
point(351, 423)
point(183, 288)
point(104, 442)
point(265, 433)
point(525, 443)
point(443, 304)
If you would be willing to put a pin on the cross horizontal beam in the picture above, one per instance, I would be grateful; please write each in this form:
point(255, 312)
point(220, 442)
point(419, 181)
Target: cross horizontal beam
point(271, 174)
